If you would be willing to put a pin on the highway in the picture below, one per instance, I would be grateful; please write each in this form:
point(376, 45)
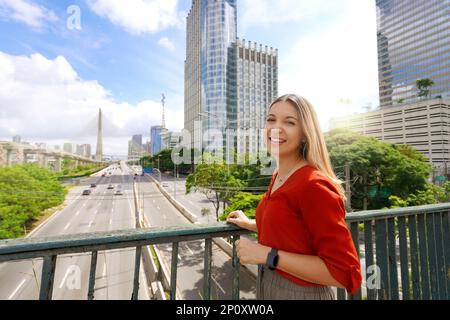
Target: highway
point(160, 212)
point(99, 211)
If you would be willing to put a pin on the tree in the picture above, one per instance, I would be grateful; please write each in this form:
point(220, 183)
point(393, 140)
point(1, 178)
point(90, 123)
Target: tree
point(212, 179)
point(246, 202)
point(378, 169)
point(423, 86)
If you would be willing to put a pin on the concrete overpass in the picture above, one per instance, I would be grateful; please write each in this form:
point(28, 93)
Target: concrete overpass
point(14, 153)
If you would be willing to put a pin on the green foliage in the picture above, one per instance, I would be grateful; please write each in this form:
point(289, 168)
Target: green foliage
point(432, 194)
point(423, 86)
point(26, 191)
point(70, 171)
point(246, 202)
point(377, 166)
point(163, 160)
point(211, 178)
point(397, 202)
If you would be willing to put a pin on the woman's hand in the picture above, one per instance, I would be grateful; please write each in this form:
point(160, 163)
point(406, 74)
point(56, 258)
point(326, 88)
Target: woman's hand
point(240, 219)
point(250, 252)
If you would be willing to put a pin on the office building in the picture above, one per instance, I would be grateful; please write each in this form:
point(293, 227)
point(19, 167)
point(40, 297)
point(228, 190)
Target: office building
point(413, 43)
point(215, 75)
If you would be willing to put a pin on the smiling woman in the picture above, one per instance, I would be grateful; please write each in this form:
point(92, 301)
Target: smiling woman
point(304, 246)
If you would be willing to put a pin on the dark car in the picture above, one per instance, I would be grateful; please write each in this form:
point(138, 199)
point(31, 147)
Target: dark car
point(93, 185)
point(86, 192)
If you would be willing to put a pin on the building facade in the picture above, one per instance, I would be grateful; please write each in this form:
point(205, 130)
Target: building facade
point(216, 79)
point(257, 87)
point(210, 97)
point(424, 125)
point(413, 43)
point(156, 133)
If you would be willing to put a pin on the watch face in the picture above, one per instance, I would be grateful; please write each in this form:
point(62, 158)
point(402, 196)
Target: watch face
point(275, 261)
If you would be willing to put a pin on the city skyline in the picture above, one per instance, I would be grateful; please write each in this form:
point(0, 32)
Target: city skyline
point(87, 69)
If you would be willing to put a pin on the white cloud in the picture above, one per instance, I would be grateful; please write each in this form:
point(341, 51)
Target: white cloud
point(166, 43)
point(45, 100)
point(266, 12)
point(139, 16)
point(336, 67)
point(27, 12)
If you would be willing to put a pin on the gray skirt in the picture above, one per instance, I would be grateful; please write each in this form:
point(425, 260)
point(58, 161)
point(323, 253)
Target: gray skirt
point(272, 286)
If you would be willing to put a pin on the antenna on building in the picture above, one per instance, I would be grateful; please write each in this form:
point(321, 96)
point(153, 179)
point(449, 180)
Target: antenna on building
point(163, 101)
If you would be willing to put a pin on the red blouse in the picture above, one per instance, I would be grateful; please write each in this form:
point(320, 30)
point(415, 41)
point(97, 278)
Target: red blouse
point(306, 215)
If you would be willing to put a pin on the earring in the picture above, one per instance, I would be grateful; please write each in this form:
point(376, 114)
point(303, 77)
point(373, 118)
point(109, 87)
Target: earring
point(304, 151)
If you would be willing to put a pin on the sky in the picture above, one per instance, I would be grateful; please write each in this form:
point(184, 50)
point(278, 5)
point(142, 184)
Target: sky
point(60, 61)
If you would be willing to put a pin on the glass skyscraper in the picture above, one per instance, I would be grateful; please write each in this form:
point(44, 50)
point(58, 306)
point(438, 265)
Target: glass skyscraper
point(413, 43)
point(209, 68)
point(214, 75)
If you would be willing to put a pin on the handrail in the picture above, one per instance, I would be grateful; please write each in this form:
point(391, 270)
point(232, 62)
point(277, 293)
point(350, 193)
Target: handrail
point(50, 247)
point(408, 248)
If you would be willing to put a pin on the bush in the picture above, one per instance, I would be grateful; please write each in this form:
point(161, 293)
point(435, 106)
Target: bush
point(246, 202)
point(25, 192)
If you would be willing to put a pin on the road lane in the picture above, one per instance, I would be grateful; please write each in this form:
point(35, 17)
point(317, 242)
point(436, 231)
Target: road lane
point(100, 211)
point(190, 265)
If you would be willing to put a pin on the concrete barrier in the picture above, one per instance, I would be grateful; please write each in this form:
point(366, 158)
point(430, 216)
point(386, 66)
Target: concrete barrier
point(185, 212)
point(158, 278)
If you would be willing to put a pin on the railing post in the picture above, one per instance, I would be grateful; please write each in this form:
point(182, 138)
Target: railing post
point(392, 261)
point(92, 275)
point(173, 272)
point(404, 270)
point(425, 277)
point(414, 253)
point(207, 270)
point(355, 236)
point(236, 270)
point(442, 274)
point(368, 246)
point(382, 258)
point(446, 241)
point(432, 259)
point(47, 278)
point(137, 266)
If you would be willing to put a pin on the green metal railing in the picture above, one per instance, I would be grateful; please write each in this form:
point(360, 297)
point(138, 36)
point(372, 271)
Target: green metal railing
point(411, 248)
point(50, 248)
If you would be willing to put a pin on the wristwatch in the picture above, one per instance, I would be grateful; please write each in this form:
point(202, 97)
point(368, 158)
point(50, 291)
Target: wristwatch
point(272, 259)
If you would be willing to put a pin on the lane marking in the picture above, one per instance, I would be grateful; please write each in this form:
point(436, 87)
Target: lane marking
point(104, 269)
point(215, 281)
point(67, 226)
point(189, 249)
point(65, 278)
point(17, 289)
point(110, 221)
point(90, 223)
point(77, 213)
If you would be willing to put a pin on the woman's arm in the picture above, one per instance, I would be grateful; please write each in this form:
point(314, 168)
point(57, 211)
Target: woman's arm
point(305, 267)
point(308, 268)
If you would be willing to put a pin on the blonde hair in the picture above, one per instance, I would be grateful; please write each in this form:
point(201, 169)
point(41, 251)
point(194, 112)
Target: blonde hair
point(316, 149)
